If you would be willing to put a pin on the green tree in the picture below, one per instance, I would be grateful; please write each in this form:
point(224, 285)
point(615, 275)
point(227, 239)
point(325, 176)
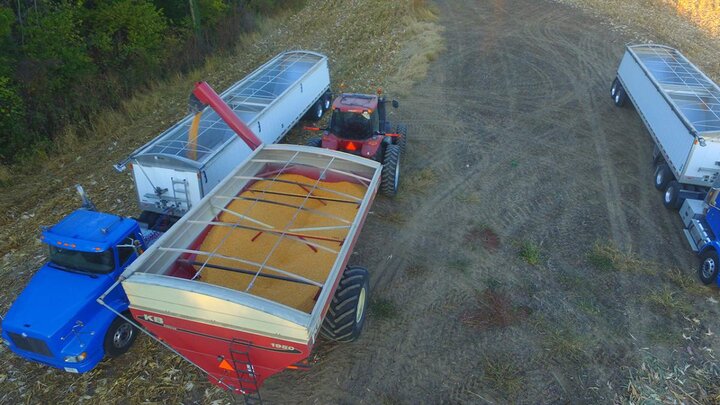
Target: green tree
point(129, 36)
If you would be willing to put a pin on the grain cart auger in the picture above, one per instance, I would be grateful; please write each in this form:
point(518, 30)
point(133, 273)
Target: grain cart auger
point(359, 126)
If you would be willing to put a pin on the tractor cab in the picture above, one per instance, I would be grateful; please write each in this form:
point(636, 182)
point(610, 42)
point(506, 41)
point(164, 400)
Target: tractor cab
point(355, 117)
point(359, 126)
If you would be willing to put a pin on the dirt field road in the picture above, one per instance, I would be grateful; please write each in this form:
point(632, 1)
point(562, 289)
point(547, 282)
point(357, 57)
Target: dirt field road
point(514, 146)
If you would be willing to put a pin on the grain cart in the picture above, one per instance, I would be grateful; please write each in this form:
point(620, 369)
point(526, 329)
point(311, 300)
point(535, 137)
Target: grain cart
point(680, 107)
point(359, 126)
point(243, 283)
point(175, 170)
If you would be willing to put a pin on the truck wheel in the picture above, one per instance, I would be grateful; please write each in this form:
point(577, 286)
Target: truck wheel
point(671, 197)
point(402, 130)
point(327, 100)
point(390, 177)
point(315, 112)
point(346, 315)
point(120, 336)
point(314, 142)
point(614, 88)
point(617, 92)
point(662, 176)
point(708, 269)
point(657, 156)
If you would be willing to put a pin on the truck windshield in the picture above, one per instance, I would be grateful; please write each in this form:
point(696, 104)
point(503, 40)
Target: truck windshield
point(352, 125)
point(90, 262)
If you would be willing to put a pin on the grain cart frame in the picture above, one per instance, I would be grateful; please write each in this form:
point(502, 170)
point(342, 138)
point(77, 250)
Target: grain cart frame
point(176, 169)
point(680, 106)
point(242, 285)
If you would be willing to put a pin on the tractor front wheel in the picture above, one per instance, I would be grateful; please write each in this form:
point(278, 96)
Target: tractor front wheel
point(346, 315)
point(402, 130)
point(390, 177)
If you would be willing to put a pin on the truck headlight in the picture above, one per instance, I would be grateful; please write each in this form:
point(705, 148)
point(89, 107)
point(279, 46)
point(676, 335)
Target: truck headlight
point(76, 359)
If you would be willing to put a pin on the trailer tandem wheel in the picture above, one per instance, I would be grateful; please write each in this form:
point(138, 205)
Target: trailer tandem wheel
point(663, 176)
point(347, 312)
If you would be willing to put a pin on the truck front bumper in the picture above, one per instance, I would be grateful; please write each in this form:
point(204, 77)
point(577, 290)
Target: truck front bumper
point(92, 359)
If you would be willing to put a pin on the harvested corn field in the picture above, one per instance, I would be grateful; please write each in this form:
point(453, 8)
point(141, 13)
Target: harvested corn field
point(527, 258)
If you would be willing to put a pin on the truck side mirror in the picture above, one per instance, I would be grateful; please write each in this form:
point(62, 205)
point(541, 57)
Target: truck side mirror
point(395, 104)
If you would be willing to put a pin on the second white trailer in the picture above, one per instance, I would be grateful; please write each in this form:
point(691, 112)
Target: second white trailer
point(175, 170)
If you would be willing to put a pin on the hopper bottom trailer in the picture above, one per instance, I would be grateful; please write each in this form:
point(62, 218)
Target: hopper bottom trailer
point(243, 284)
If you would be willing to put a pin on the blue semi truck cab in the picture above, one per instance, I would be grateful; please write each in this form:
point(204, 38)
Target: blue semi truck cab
point(701, 219)
point(56, 320)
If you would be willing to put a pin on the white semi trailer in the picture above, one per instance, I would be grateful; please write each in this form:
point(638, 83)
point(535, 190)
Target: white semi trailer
point(680, 107)
point(174, 171)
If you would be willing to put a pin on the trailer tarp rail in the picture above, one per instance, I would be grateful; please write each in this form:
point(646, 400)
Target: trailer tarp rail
point(247, 99)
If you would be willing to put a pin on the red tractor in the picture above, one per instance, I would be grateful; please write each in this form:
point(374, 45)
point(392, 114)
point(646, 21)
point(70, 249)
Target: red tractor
point(359, 126)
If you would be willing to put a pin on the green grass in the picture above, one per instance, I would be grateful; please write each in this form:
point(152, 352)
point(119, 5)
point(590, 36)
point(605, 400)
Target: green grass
point(530, 252)
point(669, 301)
point(503, 375)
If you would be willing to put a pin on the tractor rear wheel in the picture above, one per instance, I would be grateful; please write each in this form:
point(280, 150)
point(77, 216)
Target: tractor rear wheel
point(390, 177)
point(402, 130)
point(346, 315)
point(671, 196)
point(315, 142)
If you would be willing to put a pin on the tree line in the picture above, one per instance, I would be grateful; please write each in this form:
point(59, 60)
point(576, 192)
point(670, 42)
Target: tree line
point(61, 60)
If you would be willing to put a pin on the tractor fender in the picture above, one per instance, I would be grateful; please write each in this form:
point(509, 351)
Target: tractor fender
point(371, 146)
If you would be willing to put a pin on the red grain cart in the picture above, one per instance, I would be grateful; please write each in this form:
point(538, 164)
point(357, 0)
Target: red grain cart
point(243, 284)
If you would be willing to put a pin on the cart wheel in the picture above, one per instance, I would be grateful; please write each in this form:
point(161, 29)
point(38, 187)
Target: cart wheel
point(708, 269)
point(671, 197)
point(390, 178)
point(662, 176)
point(346, 315)
point(316, 111)
point(402, 130)
point(315, 142)
point(120, 336)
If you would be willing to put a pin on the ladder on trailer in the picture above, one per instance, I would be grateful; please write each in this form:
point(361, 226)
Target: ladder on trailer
point(240, 354)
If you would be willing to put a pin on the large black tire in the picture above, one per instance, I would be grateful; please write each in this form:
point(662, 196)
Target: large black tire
point(327, 100)
point(657, 156)
point(663, 176)
point(708, 269)
point(402, 130)
point(119, 337)
point(346, 315)
point(390, 178)
point(617, 92)
point(315, 142)
point(316, 111)
point(671, 196)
